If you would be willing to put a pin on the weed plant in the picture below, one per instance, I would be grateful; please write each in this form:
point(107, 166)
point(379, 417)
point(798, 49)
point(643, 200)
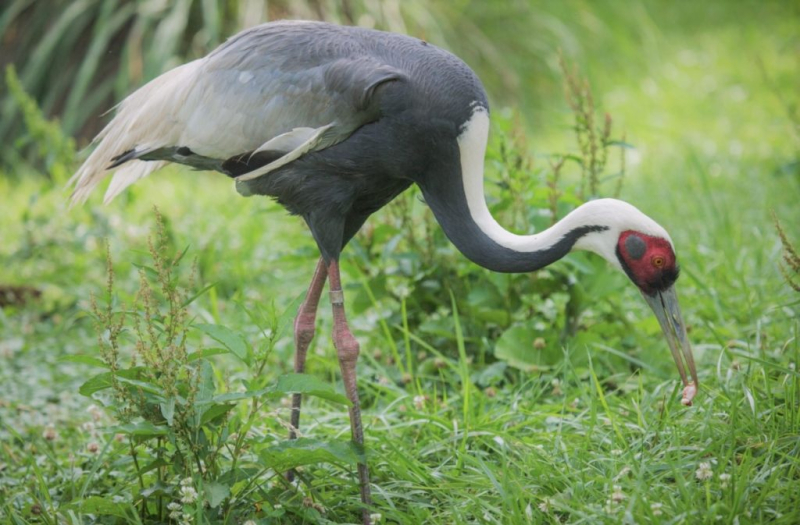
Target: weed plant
point(192, 449)
point(790, 265)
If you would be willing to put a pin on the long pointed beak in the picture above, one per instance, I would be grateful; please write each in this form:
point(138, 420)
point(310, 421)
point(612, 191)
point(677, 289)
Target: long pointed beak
point(668, 312)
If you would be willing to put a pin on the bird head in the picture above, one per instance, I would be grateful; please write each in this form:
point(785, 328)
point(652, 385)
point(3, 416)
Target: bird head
point(637, 245)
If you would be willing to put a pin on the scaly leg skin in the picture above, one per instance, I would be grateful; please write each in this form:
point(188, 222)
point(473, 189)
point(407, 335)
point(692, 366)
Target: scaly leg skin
point(303, 334)
point(347, 350)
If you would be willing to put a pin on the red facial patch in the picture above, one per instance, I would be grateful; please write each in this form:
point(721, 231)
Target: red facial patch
point(648, 261)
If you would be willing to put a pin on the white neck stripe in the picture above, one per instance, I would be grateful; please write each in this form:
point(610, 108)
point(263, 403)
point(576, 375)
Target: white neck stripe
point(617, 216)
point(472, 146)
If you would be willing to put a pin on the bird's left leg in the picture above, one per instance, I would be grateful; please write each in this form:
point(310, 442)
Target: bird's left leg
point(304, 329)
point(347, 350)
point(304, 332)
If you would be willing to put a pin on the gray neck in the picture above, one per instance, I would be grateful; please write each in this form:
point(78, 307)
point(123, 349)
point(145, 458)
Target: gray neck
point(447, 198)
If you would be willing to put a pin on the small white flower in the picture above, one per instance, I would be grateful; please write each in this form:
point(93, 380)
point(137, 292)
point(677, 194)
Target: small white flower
point(187, 482)
point(174, 506)
point(724, 479)
point(704, 471)
point(50, 433)
point(188, 495)
point(93, 447)
point(616, 452)
point(402, 290)
point(656, 508)
point(419, 402)
point(544, 506)
point(376, 517)
point(617, 496)
point(249, 522)
point(95, 411)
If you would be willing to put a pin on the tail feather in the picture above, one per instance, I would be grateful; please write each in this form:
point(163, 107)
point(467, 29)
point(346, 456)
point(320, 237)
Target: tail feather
point(147, 120)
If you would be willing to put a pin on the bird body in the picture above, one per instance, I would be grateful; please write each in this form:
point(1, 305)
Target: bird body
point(279, 100)
point(334, 122)
point(296, 90)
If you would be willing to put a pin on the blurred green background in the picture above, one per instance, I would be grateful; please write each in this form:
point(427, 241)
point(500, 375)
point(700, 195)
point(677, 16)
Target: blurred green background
point(77, 58)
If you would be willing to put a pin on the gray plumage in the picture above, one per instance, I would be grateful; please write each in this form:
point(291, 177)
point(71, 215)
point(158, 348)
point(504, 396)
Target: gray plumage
point(332, 121)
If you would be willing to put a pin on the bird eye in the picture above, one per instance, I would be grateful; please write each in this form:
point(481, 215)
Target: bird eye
point(658, 261)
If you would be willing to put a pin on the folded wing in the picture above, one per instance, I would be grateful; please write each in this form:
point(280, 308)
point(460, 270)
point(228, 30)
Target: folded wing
point(261, 100)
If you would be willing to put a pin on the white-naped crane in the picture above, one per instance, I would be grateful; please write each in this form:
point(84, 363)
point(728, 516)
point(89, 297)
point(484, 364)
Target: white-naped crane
point(334, 122)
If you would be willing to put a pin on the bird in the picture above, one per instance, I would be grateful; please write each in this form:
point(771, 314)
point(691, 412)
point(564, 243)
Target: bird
point(334, 122)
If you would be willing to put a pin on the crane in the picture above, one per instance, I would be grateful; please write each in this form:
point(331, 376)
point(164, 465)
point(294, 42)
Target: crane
point(334, 122)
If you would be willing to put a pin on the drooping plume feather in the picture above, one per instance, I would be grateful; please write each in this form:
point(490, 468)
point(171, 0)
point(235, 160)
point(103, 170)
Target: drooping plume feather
point(147, 120)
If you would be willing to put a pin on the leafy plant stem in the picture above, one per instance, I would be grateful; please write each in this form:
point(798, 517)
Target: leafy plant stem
point(135, 458)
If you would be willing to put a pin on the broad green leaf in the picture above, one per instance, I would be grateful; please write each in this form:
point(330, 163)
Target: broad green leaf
point(168, 410)
point(156, 463)
point(96, 384)
point(205, 383)
point(144, 385)
point(232, 477)
point(304, 451)
point(215, 493)
point(515, 347)
point(101, 506)
point(234, 342)
point(177, 260)
point(193, 298)
point(141, 429)
point(206, 352)
point(491, 374)
point(83, 359)
point(158, 488)
point(621, 144)
point(149, 270)
point(309, 385)
point(287, 317)
point(104, 380)
point(214, 412)
point(238, 396)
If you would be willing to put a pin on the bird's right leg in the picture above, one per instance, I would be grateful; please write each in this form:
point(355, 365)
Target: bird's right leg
point(347, 349)
point(304, 327)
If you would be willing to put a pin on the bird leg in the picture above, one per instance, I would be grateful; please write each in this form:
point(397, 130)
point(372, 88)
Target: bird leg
point(303, 334)
point(347, 350)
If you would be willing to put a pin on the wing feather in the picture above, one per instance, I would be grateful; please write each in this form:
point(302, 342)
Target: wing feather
point(290, 87)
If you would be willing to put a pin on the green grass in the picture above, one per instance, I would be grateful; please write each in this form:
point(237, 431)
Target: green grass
point(595, 433)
